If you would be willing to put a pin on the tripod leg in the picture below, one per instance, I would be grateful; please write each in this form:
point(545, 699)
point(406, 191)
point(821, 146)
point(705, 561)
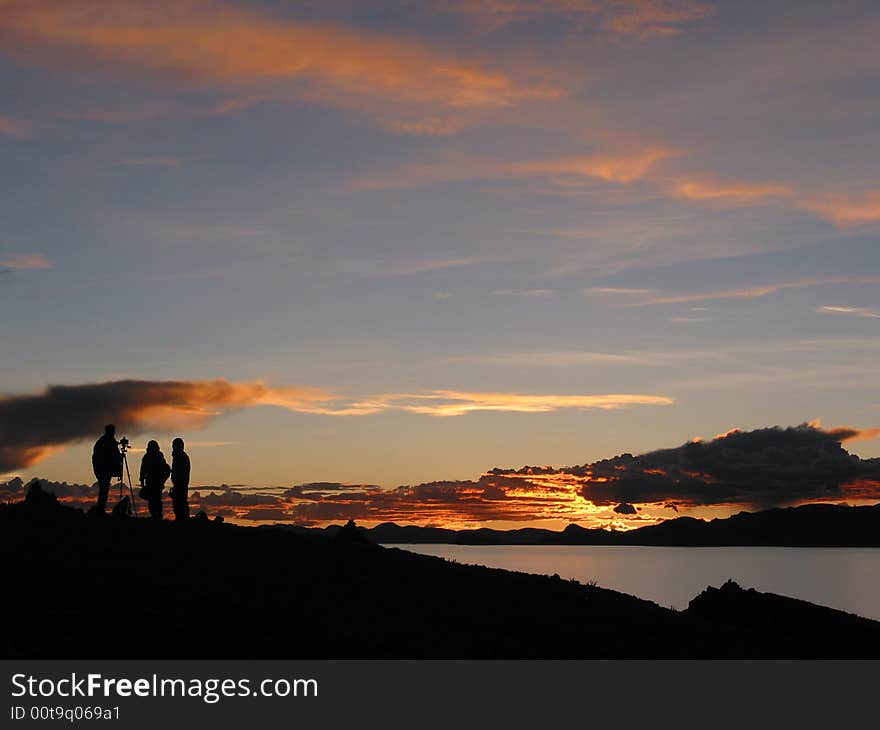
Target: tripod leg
point(130, 487)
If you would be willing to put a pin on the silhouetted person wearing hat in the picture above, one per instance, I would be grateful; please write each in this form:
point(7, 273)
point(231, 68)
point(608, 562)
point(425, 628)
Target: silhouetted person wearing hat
point(179, 480)
point(106, 463)
point(154, 473)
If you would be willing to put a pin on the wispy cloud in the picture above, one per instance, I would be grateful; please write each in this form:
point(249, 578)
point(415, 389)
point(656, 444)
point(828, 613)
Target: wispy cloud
point(851, 433)
point(556, 358)
point(578, 174)
point(581, 358)
point(26, 261)
point(12, 127)
point(824, 377)
point(458, 403)
point(843, 209)
point(630, 18)
point(234, 48)
point(152, 162)
point(847, 433)
point(746, 352)
point(620, 167)
point(619, 291)
point(754, 292)
point(436, 126)
point(644, 297)
point(854, 311)
point(847, 209)
point(524, 292)
point(713, 191)
point(408, 265)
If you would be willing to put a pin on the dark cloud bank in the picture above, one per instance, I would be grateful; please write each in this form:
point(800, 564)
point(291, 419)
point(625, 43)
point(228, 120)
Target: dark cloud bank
point(33, 426)
point(766, 467)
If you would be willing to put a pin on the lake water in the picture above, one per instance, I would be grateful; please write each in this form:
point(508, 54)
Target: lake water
point(844, 578)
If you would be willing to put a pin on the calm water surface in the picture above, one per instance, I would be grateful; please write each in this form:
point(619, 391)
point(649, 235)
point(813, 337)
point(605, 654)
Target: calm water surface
point(844, 578)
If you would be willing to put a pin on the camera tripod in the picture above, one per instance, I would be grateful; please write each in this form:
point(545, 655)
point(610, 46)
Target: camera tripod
point(123, 449)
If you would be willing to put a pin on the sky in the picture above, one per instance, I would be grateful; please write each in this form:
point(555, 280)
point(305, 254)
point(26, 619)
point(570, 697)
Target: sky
point(397, 242)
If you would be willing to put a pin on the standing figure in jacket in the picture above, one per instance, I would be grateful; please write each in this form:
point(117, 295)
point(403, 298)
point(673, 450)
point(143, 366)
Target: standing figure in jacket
point(179, 480)
point(154, 473)
point(106, 463)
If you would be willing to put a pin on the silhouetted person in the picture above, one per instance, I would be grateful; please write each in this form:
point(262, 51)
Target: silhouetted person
point(106, 463)
point(154, 473)
point(180, 480)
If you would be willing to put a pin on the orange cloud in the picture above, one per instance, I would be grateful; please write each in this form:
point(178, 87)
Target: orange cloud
point(754, 292)
point(652, 17)
point(14, 457)
point(863, 434)
point(847, 210)
point(445, 403)
point(428, 127)
point(842, 209)
point(579, 358)
point(643, 297)
point(707, 190)
point(26, 261)
point(620, 17)
point(848, 433)
point(234, 47)
point(623, 167)
point(734, 430)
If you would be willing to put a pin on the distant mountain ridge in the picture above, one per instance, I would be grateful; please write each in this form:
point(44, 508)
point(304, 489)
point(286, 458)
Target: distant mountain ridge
point(811, 525)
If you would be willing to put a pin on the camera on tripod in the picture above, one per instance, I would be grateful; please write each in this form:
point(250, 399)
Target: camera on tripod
point(124, 445)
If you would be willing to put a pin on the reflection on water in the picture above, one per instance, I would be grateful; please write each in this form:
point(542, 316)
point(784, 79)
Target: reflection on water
point(844, 578)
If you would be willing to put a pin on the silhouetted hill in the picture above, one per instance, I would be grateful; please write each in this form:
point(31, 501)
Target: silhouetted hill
point(87, 587)
point(811, 525)
point(793, 623)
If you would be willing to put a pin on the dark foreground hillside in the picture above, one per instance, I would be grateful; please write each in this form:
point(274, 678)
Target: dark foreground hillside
point(87, 587)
